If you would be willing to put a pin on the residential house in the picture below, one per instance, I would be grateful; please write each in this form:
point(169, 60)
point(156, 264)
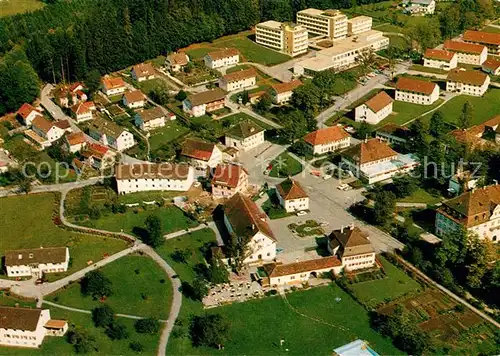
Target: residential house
point(440, 59)
point(37, 261)
point(375, 109)
point(134, 99)
point(175, 62)
point(477, 211)
point(393, 134)
point(282, 92)
point(132, 178)
point(491, 66)
point(488, 39)
point(468, 82)
point(292, 196)
point(75, 142)
point(328, 140)
point(416, 91)
point(241, 79)
point(229, 179)
point(419, 7)
point(248, 224)
point(67, 96)
point(201, 154)
point(98, 156)
point(487, 133)
point(467, 53)
point(279, 274)
point(28, 113)
point(330, 23)
point(359, 24)
point(288, 38)
point(374, 161)
point(150, 119)
point(223, 58)
point(142, 72)
point(82, 111)
point(49, 131)
point(113, 86)
point(245, 135)
point(353, 248)
point(205, 102)
point(462, 181)
point(27, 327)
point(110, 134)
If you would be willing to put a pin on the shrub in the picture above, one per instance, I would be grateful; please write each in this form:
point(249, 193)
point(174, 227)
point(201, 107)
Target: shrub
point(117, 331)
point(136, 347)
point(147, 326)
point(103, 316)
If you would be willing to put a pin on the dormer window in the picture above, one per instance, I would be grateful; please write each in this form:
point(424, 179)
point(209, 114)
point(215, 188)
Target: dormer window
point(20, 257)
point(31, 255)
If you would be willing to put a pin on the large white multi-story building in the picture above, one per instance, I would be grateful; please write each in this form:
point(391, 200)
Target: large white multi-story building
point(27, 327)
point(37, 261)
point(375, 109)
point(248, 224)
point(488, 39)
point(284, 37)
point(416, 91)
point(419, 7)
point(292, 196)
point(328, 139)
point(330, 23)
point(477, 211)
point(468, 53)
point(131, 178)
point(245, 135)
point(223, 58)
point(238, 80)
point(440, 59)
point(359, 24)
point(353, 247)
point(468, 82)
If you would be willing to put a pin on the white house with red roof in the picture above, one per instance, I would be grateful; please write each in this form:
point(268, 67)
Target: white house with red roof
point(28, 113)
point(440, 59)
point(292, 196)
point(491, 66)
point(375, 109)
point(75, 142)
point(328, 140)
point(201, 154)
point(134, 99)
point(49, 130)
point(416, 91)
point(229, 179)
point(244, 136)
point(468, 53)
point(282, 92)
point(83, 111)
point(98, 156)
point(248, 224)
point(113, 86)
point(143, 71)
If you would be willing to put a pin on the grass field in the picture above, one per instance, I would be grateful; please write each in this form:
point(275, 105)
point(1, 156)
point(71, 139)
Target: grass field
point(139, 197)
point(326, 323)
point(13, 7)
point(147, 293)
point(173, 219)
point(421, 196)
point(484, 108)
point(8, 300)
point(285, 165)
point(421, 68)
point(26, 223)
point(396, 284)
point(170, 132)
point(491, 29)
point(403, 112)
point(387, 27)
point(242, 116)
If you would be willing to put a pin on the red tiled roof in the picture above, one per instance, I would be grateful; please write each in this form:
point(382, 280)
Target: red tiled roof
point(75, 138)
point(491, 64)
point(280, 270)
point(113, 83)
point(180, 58)
point(228, 175)
point(197, 149)
point(83, 107)
point(143, 70)
point(285, 87)
point(134, 96)
point(439, 54)
point(42, 123)
point(326, 135)
point(471, 77)
point(63, 124)
point(379, 101)
point(370, 151)
point(240, 75)
point(25, 110)
point(482, 37)
point(291, 189)
point(98, 148)
point(73, 87)
point(463, 47)
point(224, 53)
point(415, 85)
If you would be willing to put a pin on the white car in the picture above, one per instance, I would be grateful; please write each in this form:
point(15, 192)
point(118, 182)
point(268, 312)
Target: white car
point(327, 176)
point(301, 213)
point(344, 187)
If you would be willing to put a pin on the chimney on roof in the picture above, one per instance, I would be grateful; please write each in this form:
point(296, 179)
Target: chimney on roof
point(351, 226)
point(342, 229)
point(253, 226)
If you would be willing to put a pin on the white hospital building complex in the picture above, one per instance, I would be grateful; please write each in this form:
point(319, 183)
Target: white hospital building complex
point(288, 38)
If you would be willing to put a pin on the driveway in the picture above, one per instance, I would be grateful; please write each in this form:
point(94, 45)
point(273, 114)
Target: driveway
point(257, 160)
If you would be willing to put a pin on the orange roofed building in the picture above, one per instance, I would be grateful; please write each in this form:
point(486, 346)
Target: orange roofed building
point(416, 91)
point(488, 39)
point(467, 53)
point(113, 86)
point(328, 139)
point(468, 82)
point(292, 196)
point(440, 59)
point(375, 109)
point(229, 179)
point(282, 92)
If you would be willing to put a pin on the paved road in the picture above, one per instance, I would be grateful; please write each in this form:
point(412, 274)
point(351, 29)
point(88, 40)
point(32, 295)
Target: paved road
point(52, 187)
point(240, 108)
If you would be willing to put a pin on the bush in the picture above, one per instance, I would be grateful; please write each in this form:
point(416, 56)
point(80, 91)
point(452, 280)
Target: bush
point(117, 331)
point(97, 285)
point(147, 326)
point(82, 341)
point(103, 316)
point(136, 347)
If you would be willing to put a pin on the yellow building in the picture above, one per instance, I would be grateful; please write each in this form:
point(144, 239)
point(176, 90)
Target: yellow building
point(288, 38)
point(359, 24)
point(330, 23)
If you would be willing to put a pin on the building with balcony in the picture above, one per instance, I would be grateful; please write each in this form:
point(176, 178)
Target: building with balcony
point(287, 38)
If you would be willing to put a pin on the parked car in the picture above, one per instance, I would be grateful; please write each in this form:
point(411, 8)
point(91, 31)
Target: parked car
point(344, 187)
point(327, 176)
point(301, 213)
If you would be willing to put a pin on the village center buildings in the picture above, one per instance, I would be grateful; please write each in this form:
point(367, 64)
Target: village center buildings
point(245, 135)
point(416, 91)
point(375, 109)
point(229, 179)
point(287, 38)
point(202, 155)
point(353, 248)
point(468, 82)
point(205, 102)
point(327, 140)
point(35, 262)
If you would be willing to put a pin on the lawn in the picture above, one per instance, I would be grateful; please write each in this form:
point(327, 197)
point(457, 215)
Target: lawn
point(421, 196)
point(386, 27)
point(397, 41)
point(403, 112)
point(13, 7)
point(272, 206)
point(285, 165)
point(170, 132)
point(330, 318)
point(38, 230)
point(148, 86)
point(134, 198)
point(8, 300)
point(484, 108)
point(140, 287)
point(242, 116)
point(308, 228)
point(421, 68)
point(238, 68)
point(374, 292)
point(200, 52)
point(132, 221)
point(491, 29)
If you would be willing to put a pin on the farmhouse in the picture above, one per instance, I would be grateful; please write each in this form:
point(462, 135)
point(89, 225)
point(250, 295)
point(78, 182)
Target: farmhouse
point(328, 140)
point(35, 262)
point(374, 161)
point(82, 111)
point(282, 92)
point(111, 134)
point(245, 135)
point(67, 96)
point(416, 91)
point(26, 327)
point(287, 38)
point(419, 7)
point(132, 178)
point(491, 66)
point(478, 211)
point(205, 102)
point(440, 59)
point(243, 218)
point(353, 247)
point(468, 53)
point(113, 86)
point(75, 142)
point(201, 154)
point(467, 82)
point(488, 39)
point(375, 109)
point(28, 113)
point(238, 80)
point(223, 58)
point(292, 196)
point(150, 119)
point(175, 62)
point(134, 99)
point(142, 72)
point(229, 179)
